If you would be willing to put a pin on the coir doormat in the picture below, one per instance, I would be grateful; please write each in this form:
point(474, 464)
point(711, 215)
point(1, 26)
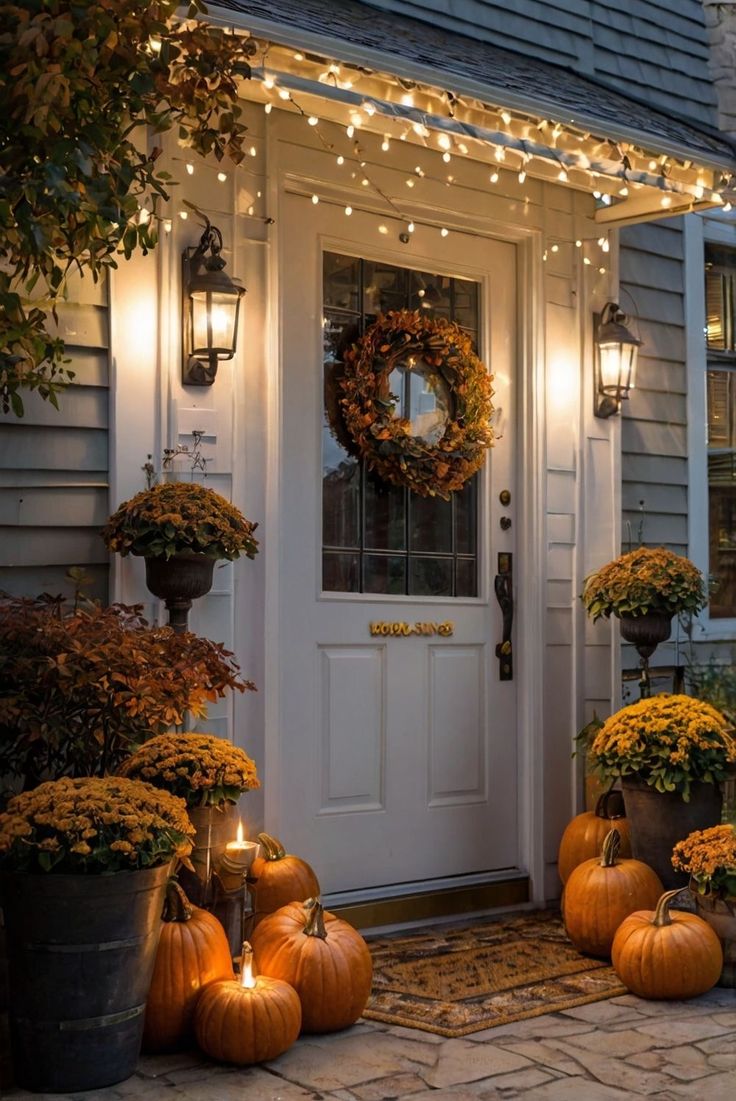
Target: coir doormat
point(461, 979)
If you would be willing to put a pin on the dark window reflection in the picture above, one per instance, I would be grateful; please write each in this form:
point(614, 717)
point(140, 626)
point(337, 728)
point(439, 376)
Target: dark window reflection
point(380, 538)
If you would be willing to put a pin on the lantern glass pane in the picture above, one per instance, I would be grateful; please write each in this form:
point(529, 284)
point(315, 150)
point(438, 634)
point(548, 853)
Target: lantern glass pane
point(612, 366)
point(213, 322)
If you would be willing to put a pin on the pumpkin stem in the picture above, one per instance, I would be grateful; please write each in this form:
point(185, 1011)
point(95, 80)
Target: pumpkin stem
point(272, 847)
point(611, 846)
point(177, 906)
point(662, 914)
point(247, 978)
point(315, 924)
point(610, 805)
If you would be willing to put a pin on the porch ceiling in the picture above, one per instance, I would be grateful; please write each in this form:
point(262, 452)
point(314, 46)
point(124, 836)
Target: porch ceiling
point(555, 124)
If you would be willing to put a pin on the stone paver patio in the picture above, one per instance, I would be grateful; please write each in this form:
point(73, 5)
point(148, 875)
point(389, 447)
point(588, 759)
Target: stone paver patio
point(621, 1048)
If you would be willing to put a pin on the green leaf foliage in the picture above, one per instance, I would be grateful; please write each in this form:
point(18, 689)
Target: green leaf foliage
point(86, 86)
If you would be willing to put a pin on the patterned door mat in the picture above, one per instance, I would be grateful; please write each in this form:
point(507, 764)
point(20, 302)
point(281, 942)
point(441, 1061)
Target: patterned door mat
point(464, 978)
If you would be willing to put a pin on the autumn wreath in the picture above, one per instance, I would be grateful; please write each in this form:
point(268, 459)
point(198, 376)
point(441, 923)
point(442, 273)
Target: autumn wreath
point(405, 337)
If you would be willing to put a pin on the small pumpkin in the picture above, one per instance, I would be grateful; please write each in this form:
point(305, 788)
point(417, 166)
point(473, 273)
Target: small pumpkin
point(247, 1020)
point(600, 893)
point(192, 952)
point(585, 834)
point(662, 954)
point(278, 878)
point(322, 957)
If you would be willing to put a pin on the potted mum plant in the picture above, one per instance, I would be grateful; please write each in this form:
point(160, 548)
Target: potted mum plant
point(83, 871)
point(672, 753)
point(81, 688)
point(209, 774)
point(644, 589)
point(709, 858)
point(181, 529)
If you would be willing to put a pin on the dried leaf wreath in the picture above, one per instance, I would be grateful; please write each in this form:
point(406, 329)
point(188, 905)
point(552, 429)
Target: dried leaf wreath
point(384, 439)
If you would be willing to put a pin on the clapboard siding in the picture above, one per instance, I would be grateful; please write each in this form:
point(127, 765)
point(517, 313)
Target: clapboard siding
point(654, 430)
point(54, 464)
point(653, 50)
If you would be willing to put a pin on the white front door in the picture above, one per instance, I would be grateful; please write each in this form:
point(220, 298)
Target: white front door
point(398, 754)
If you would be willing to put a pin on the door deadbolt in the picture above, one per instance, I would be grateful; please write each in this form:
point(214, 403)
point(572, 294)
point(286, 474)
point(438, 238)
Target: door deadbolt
point(505, 522)
point(505, 497)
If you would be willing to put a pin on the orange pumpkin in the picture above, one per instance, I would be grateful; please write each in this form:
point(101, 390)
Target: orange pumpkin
point(600, 893)
point(249, 1019)
point(279, 878)
point(322, 957)
point(585, 834)
point(662, 954)
point(192, 952)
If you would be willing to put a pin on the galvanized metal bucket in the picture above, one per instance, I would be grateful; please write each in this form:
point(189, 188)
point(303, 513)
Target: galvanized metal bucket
point(81, 951)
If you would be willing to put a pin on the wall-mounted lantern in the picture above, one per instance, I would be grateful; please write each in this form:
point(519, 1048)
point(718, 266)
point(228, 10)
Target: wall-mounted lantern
point(210, 308)
point(616, 350)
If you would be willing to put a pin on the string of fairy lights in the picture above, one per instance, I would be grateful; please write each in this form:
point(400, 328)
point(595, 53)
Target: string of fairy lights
point(508, 143)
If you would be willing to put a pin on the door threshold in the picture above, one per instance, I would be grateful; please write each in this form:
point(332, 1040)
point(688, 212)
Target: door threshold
point(434, 905)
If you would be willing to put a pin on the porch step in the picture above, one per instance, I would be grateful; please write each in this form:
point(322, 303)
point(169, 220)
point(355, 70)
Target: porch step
point(433, 905)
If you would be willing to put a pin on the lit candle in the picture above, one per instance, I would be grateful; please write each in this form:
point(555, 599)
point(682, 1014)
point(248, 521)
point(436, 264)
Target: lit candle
point(237, 860)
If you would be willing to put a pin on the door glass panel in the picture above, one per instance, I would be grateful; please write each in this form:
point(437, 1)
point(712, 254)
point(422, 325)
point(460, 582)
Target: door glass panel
point(380, 538)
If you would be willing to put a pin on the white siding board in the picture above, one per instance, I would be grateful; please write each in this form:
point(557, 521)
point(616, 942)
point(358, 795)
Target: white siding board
point(80, 407)
point(51, 547)
point(652, 438)
point(52, 448)
point(655, 405)
point(44, 506)
point(34, 580)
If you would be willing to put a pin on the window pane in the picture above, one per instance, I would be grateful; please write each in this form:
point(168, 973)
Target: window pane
point(430, 576)
point(714, 286)
point(431, 524)
point(722, 530)
point(340, 498)
point(465, 501)
point(719, 409)
point(341, 281)
point(465, 579)
point(340, 572)
point(385, 515)
point(383, 573)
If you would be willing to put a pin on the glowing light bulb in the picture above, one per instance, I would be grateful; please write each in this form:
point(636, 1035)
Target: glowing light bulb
point(562, 175)
point(506, 117)
point(446, 157)
point(522, 175)
point(410, 183)
point(623, 191)
point(383, 229)
point(411, 227)
point(586, 260)
point(190, 168)
point(500, 153)
point(493, 177)
point(312, 120)
point(253, 151)
point(183, 214)
point(578, 243)
point(268, 82)
point(555, 248)
point(348, 210)
point(341, 159)
point(385, 144)
point(444, 141)
point(350, 130)
point(368, 108)
point(222, 176)
point(167, 225)
point(284, 94)
point(268, 108)
point(315, 199)
point(666, 201)
point(444, 232)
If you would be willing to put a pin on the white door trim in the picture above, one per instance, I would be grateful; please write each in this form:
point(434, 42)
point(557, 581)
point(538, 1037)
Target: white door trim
point(530, 577)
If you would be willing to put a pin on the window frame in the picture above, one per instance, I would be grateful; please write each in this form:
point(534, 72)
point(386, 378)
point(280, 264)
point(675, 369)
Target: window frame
point(699, 230)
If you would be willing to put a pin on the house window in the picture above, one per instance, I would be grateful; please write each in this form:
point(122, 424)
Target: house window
point(720, 297)
point(380, 538)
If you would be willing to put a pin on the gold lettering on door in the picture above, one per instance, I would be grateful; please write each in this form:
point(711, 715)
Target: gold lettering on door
point(405, 630)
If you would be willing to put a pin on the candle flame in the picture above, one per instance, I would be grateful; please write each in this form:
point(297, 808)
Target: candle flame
point(239, 836)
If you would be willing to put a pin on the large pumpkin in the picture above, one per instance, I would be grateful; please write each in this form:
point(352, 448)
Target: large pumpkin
point(279, 878)
point(662, 954)
point(600, 893)
point(322, 957)
point(249, 1019)
point(584, 835)
point(192, 952)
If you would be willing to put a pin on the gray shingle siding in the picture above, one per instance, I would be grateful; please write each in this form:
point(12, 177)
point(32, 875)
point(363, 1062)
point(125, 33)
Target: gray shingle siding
point(655, 50)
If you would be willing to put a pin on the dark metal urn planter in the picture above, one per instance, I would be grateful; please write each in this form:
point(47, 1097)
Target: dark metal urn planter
point(178, 581)
point(81, 950)
point(658, 820)
point(645, 632)
point(720, 913)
